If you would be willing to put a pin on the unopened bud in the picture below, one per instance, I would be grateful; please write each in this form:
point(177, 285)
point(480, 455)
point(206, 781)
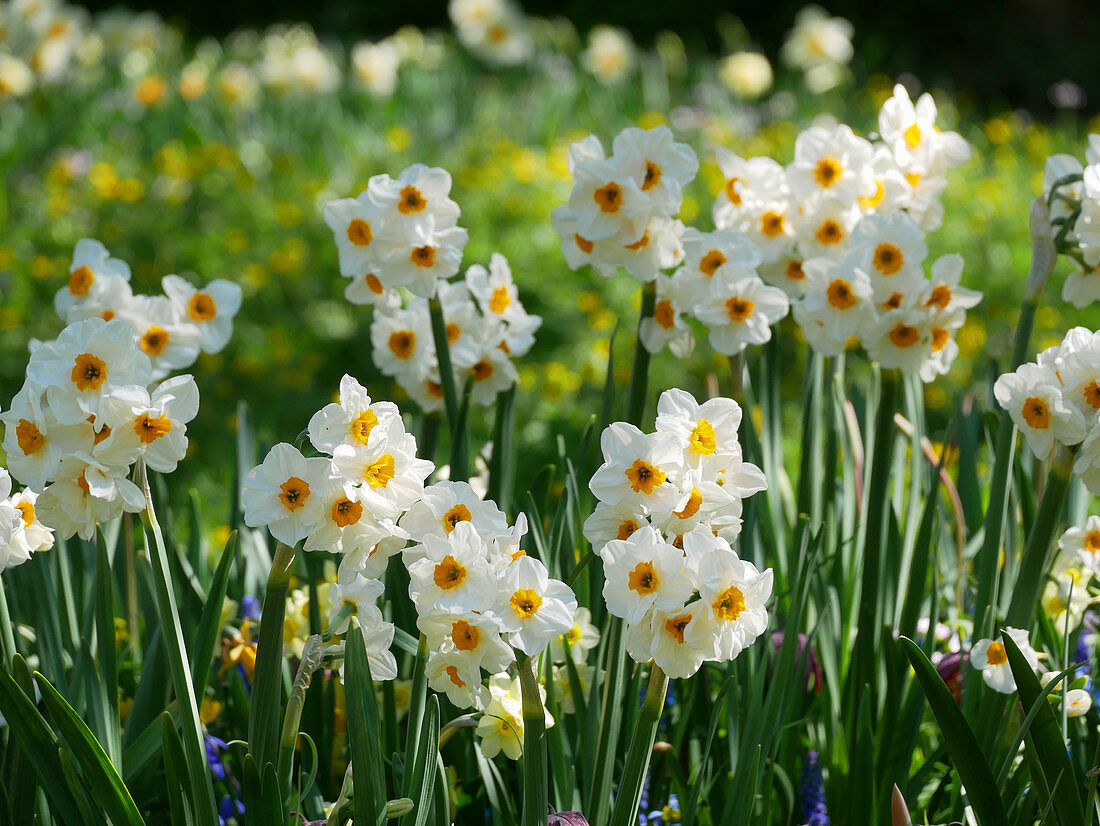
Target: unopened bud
point(399, 808)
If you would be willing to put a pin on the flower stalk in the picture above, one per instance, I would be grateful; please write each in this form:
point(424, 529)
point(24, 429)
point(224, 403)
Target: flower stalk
point(641, 749)
point(535, 778)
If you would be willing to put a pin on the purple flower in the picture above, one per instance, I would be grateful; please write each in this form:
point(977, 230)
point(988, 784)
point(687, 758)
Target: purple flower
point(214, 747)
point(811, 788)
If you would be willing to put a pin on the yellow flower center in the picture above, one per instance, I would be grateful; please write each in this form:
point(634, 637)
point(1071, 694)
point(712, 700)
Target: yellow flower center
point(154, 341)
point(574, 635)
point(411, 201)
point(794, 271)
point(360, 233)
point(1092, 541)
point(912, 136)
point(402, 343)
point(89, 372)
point(888, 259)
point(452, 675)
point(711, 262)
point(525, 602)
point(904, 335)
point(482, 370)
point(80, 280)
point(1036, 413)
point(830, 232)
point(454, 332)
point(609, 197)
point(295, 492)
point(449, 573)
point(840, 294)
point(29, 437)
point(652, 176)
point(459, 513)
point(664, 314)
point(731, 191)
point(827, 171)
point(644, 477)
point(893, 302)
point(373, 284)
point(584, 244)
point(1092, 394)
point(362, 425)
point(940, 337)
point(149, 429)
point(702, 440)
point(379, 472)
point(201, 307)
point(995, 654)
point(346, 512)
point(643, 579)
point(82, 483)
point(27, 510)
point(738, 309)
point(500, 300)
point(771, 224)
point(626, 529)
point(641, 243)
point(729, 604)
point(466, 637)
point(691, 507)
point(913, 178)
point(675, 626)
point(873, 201)
point(423, 256)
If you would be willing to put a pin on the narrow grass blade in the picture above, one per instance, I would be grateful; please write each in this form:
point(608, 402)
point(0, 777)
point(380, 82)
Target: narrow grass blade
point(107, 662)
point(963, 747)
point(209, 629)
point(363, 731)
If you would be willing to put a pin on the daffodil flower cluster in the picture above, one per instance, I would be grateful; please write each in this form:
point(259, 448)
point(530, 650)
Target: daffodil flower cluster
point(1073, 191)
point(477, 594)
point(171, 329)
point(398, 232)
point(669, 505)
point(87, 412)
point(841, 231)
point(1055, 400)
point(487, 329)
point(494, 30)
point(621, 211)
point(820, 46)
point(345, 501)
point(21, 534)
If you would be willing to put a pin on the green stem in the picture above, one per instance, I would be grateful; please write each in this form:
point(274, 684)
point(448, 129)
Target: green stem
point(996, 512)
point(535, 778)
point(447, 381)
point(639, 376)
point(641, 749)
point(415, 717)
point(611, 713)
point(1036, 562)
point(7, 631)
point(267, 683)
point(311, 661)
point(502, 475)
point(201, 785)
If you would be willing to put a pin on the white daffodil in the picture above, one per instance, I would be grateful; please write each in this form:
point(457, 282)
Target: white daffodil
point(401, 342)
point(1077, 702)
point(836, 304)
point(1033, 398)
point(709, 256)
point(899, 338)
point(735, 594)
point(357, 224)
point(739, 312)
point(667, 326)
point(635, 470)
point(351, 420)
point(281, 494)
point(678, 640)
point(91, 274)
point(748, 183)
point(609, 522)
point(453, 573)
point(581, 638)
point(375, 66)
point(990, 657)
point(606, 202)
point(85, 494)
point(533, 607)
point(345, 526)
point(706, 433)
point(84, 364)
point(475, 635)
point(642, 572)
point(355, 598)
point(420, 254)
point(910, 131)
point(826, 229)
point(610, 54)
point(1084, 543)
point(747, 74)
point(501, 724)
point(1082, 286)
point(211, 310)
point(890, 248)
point(1079, 371)
point(659, 165)
point(443, 506)
point(456, 675)
point(388, 476)
point(150, 425)
point(830, 163)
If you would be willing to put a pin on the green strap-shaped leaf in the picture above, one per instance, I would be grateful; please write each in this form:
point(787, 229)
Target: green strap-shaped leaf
point(426, 756)
point(363, 732)
point(175, 770)
point(970, 762)
point(106, 658)
point(40, 745)
point(209, 630)
point(106, 784)
point(1045, 737)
